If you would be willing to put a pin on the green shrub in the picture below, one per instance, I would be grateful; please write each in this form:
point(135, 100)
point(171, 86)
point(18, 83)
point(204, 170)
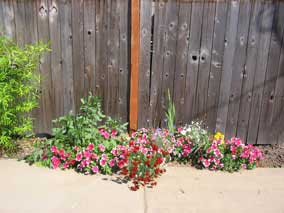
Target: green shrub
point(75, 133)
point(19, 83)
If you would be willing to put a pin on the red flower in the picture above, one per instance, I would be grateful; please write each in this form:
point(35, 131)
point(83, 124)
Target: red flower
point(155, 147)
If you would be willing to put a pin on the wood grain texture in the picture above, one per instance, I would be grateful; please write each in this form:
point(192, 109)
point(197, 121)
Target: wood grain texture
point(184, 23)
point(193, 60)
point(46, 102)
point(250, 68)
point(216, 64)
point(78, 53)
point(56, 59)
point(266, 129)
point(89, 46)
point(145, 62)
point(277, 130)
point(113, 58)
point(259, 77)
point(19, 11)
point(66, 54)
point(135, 43)
point(8, 17)
point(123, 58)
point(169, 56)
point(229, 54)
point(205, 61)
point(157, 64)
point(239, 70)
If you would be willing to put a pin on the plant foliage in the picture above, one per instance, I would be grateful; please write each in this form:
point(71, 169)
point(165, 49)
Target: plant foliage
point(19, 88)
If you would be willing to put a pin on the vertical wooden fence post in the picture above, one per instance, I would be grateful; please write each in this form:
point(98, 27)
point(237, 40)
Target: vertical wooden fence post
point(134, 73)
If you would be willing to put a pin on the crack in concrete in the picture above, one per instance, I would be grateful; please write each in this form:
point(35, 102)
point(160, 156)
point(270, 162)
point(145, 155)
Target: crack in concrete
point(145, 202)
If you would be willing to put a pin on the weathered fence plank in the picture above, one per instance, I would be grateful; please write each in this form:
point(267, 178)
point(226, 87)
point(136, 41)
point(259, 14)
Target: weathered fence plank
point(265, 132)
point(8, 17)
point(169, 55)
point(19, 9)
point(278, 112)
point(250, 68)
point(259, 77)
point(146, 18)
point(113, 58)
point(216, 64)
point(46, 103)
point(124, 53)
point(89, 45)
point(66, 54)
point(205, 60)
point(193, 59)
point(239, 70)
point(56, 60)
point(229, 54)
point(181, 60)
point(157, 63)
point(79, 54)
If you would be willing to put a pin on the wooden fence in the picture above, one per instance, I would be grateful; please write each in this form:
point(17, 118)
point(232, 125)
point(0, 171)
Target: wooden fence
point(90, 52)
point(222, 61)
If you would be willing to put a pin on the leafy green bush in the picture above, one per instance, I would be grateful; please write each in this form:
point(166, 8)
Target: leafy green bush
point(75, 133)
point(19, 83)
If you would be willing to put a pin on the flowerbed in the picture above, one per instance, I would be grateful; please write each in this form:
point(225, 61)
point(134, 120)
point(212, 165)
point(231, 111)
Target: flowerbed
point(92, 143)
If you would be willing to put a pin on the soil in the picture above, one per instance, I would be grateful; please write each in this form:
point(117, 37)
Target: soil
point(24, 147)
point(273, 154)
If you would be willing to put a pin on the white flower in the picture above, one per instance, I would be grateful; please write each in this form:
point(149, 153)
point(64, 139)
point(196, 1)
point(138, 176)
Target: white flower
point(183, 132)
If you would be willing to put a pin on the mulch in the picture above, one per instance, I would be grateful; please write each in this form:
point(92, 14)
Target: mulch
point(273, 155)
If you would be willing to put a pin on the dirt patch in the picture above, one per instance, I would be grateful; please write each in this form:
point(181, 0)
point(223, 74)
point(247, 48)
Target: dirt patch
point(273, 155)
point(24, 147)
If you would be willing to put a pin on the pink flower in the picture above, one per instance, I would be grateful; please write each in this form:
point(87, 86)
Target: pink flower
point(87, 154)
point(75, 148)
point(55, 162)
point(101, 147)
point(95, 169)
point(216, 161)
point(120, 164)
point(103, 162)
point(170, 149)
point(65, 165)
point(104, 156)
point(233, 150)
point(236, 141)
point(90, 147)
point(112, 162)
point(114, 152)
point(113, 133)
point(217, 152)
point(83, 164)
point(206, 163)
point(94, 156)
point(79, 157)
point(54, 150)
point(179, 129)
point(144, 150)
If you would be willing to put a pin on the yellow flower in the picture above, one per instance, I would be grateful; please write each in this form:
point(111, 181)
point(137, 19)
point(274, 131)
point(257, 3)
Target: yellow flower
point(218, 136)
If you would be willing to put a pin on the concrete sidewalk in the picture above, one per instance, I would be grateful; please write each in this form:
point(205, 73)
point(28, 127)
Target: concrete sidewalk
point(31, 189)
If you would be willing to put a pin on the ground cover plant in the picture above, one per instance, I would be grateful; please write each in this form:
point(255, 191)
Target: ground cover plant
point(91, 143)
point(19, 83)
